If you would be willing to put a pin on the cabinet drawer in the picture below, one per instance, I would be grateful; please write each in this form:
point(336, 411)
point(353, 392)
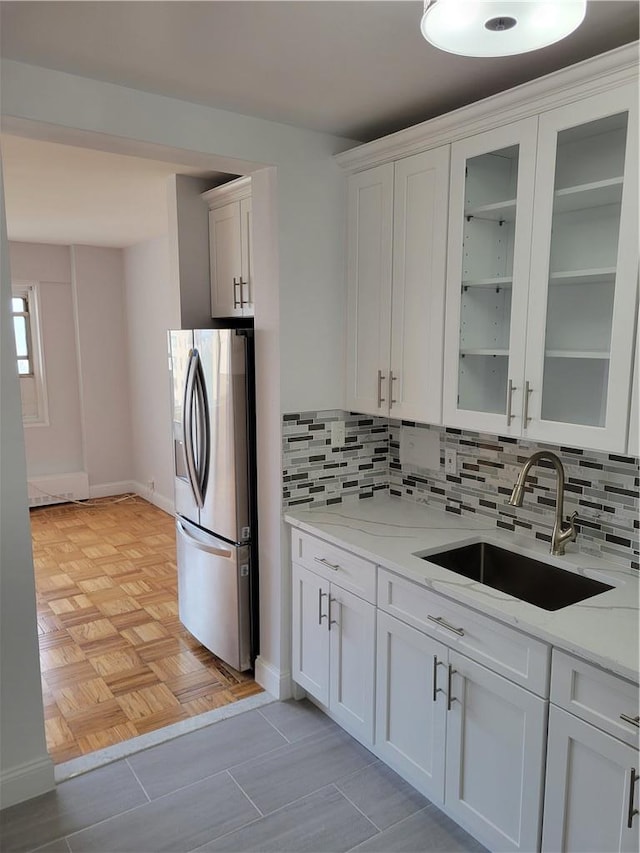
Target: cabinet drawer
point(335, 564)
point(506, 651)
point(595, 696)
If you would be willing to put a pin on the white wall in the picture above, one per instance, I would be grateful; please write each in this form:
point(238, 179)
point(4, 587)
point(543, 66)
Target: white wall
point(152, 307)
point(25, 768)
point(55, 447)
point(103, 367)
point(300, 308)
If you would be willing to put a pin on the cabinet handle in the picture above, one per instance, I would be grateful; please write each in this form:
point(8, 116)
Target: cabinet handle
point(632, 788)
point(333, 566)
point(511, 389)
point(450, 673)
point(392, 379)
point(321, 615)
point(525, 415)
point(236, 303)
point(436, 664)
point(242, 282)
point(333, 621)
point(635, 721)
point(444, 624)
point(381, 399)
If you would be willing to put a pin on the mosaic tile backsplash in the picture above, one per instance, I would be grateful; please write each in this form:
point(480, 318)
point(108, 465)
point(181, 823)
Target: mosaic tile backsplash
point(603, 488)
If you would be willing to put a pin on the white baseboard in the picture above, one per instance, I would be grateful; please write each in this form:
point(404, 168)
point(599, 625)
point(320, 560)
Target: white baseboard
point(273, 680)
point(26, 781)
point(107, 490)
point(154, 498)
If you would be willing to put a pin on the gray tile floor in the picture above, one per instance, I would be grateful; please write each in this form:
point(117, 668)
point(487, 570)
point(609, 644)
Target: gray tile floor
point(280, 778)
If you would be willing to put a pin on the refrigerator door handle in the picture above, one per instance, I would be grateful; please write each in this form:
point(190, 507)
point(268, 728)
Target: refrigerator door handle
point(202, 546)
point(188, 405)
point(203, 430)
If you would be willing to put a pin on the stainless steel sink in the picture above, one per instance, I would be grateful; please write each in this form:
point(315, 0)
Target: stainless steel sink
point(545, 586)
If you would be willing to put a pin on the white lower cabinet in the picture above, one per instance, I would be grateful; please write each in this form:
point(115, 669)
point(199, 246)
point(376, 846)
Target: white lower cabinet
point(463, 735)
point(334, 650)
point(592, 785)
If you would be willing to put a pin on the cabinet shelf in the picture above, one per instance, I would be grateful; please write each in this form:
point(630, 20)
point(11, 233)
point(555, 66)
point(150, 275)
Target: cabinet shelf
point(600, 355)
point(501, 211)
point(605, 275)
point(584, 196)
point(503, 353)
point(496, 281)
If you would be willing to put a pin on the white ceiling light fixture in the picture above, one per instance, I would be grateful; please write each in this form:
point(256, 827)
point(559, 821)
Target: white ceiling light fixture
point(499, 27)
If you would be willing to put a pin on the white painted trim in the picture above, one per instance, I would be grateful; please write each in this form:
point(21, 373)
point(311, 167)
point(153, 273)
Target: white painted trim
point(154, 498)
point(107, 490)
point(273, 680)
point(26, 781)
point(593, 76)
point(226, 193)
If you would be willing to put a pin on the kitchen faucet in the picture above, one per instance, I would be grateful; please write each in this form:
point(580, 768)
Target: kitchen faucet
point(561, 533)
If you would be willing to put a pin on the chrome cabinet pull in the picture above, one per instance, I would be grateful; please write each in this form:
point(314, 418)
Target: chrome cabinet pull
point(632, 789)
point(436, 664)
point(450, 673)
point(381, 399)
point(242, 282)
point(333, 621)
point(237, 283)
point(333, 566)
point(635, 721)
point(392, 379)
point(525, 415)
point(444, 624)
point(321, 615)
point(511, 389)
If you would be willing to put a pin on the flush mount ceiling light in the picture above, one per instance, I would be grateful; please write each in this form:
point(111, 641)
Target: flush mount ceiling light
point(499, 27)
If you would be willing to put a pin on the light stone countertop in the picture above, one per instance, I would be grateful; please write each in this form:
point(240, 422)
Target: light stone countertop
point(389, 531)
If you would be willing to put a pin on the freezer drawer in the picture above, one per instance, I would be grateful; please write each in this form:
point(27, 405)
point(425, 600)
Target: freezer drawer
point(213, 593)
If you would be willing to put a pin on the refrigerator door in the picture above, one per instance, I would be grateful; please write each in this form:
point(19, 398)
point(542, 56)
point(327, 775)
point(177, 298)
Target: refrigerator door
point(225, 508)
point(213, 593)
point(182, 373)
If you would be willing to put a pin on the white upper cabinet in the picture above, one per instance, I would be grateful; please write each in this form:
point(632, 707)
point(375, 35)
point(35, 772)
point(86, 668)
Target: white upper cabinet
point(584, 267)
point(397, 254)
point(490, 216)
point(230, 251)
point(541, 289)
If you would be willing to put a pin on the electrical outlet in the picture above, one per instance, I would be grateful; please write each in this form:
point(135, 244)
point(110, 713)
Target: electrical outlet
point(337, 433)
point(450, 461)
point(151, 485)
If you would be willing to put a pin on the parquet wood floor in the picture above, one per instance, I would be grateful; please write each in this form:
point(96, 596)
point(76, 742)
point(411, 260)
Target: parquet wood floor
point(116, 661)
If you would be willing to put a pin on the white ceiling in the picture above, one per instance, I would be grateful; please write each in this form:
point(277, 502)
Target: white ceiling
point(358, 69)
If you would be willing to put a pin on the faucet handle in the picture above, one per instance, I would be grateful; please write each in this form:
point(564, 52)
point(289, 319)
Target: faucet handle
point(572, 525)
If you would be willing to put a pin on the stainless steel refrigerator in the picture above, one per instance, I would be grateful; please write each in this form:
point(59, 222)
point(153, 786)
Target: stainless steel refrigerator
point(215, 496)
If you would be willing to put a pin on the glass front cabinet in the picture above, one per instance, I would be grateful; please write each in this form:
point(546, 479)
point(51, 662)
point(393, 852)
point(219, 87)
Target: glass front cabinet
point(543, 275)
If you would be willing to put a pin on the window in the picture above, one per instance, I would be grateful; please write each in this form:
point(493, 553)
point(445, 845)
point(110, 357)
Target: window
point(26, 328)
point(22, 332)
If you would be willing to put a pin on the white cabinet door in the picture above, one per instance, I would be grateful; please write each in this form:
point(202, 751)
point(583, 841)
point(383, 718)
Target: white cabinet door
point(411, 704)
point(352, 662)
point(310, 637)
point(369, 235)
point(584, 268)
point(490, 215)
point(590, 796)
point(421, 190)
point(246, 257)
point(633, 442)
point(495, 757)
point(225, 259)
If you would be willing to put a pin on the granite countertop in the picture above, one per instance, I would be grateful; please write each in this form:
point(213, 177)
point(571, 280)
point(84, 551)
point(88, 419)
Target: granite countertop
point(389, 531)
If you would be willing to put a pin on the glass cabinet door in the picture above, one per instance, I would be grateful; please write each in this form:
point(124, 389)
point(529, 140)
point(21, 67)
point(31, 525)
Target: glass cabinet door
point(489, 231)
point(584, 275)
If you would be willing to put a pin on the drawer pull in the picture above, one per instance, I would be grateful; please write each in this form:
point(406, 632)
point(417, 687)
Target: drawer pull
point(436, 664)
point(333, 566)
point(632, 787)
point(635, 721)
point(450, 673)
point(444, 624)
point(321, 615)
